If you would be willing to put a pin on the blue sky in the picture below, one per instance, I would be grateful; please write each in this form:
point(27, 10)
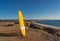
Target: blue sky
point(31, 9)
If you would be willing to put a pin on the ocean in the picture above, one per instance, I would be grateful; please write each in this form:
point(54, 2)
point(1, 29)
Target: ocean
point(50, 22)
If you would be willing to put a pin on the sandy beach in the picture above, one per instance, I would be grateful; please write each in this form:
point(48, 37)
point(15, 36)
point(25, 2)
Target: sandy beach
point(10, 31)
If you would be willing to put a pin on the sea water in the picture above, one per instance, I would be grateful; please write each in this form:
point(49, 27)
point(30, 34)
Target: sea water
point(50, 22)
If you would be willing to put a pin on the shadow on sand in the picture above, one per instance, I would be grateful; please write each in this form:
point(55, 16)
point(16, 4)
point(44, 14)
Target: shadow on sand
point(9, 34)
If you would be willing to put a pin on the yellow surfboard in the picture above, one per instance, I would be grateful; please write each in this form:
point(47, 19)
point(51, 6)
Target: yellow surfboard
point(21, 23)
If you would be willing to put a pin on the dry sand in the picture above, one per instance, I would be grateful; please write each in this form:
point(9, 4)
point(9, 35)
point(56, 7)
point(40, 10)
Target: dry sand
point(9, 31)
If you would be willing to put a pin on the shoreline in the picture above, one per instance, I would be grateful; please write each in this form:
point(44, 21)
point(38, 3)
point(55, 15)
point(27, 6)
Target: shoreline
point(44, 25)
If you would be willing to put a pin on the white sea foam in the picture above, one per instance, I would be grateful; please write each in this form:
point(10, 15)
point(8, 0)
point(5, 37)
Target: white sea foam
point(47, 25)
